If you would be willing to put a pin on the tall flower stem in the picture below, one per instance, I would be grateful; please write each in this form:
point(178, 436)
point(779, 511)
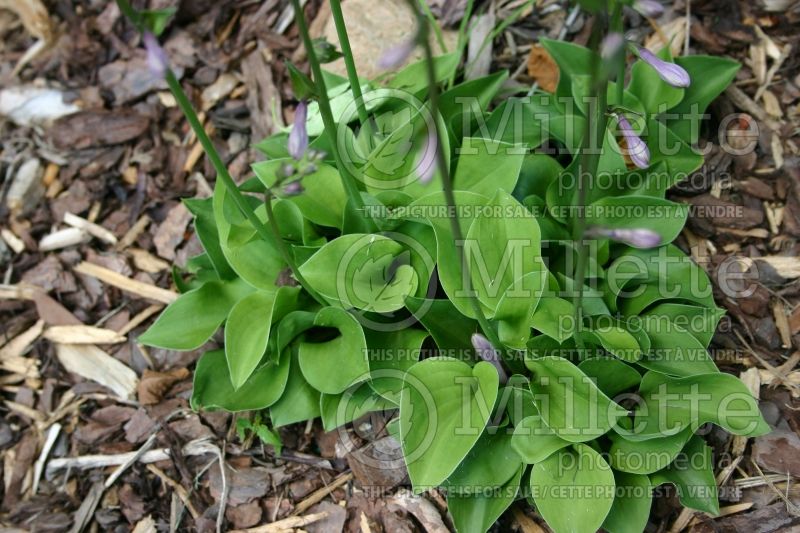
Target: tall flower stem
point(447, 183)
point(591, 146)
point(349, 61)
point(617, 26)
point(219, 166)
point(348, 180)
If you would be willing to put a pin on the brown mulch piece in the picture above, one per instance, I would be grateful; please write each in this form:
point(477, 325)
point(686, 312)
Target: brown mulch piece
point(125, 159)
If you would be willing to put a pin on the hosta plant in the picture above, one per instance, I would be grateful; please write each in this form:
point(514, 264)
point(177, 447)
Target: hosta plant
point(491, 267)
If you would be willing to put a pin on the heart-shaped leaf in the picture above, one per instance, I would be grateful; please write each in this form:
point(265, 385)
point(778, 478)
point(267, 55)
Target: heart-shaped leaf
point(444, 409)
point(573, 489)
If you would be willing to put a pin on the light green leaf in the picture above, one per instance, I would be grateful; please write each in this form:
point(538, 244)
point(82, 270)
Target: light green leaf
point(444, 409)
point(332, 366)
point(693, 477)
point(569, 401)
point(573, 489)
point(670, 405)
point(299, 402)
point(365, 271)
point(323, 198)
point(486, 165)
point(192, 319)
point(631, 507)
point(611, 375)
point(248, 326)
point(502, 244)
point(213, 389)
point(534, 441)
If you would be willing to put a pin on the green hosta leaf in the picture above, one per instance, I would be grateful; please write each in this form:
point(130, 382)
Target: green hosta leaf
point(640, 212)
point(534, 441)
point(443, 410)
point(569, 401)
point(206, 229)
point(332, 366)
point(323, 199)
point(554, 318)
point(536, 174)
point(368, 272)
point(673, 350)
point(434, 210)
point(294, 226)
point(192, 319)
point(680, 158)
point(631, 507)
point(478, 94)
point(485, 165)
point(213, 389)
point(646, 456)
point(615, 340)
point(670, 405)
point(572, 60)
point(573, 489)
point(485, 483)
point(413, 78)
point(450, 329)
point(693, 476)
point(339, 409)
point(477, 512)
point(700, 322)
point(656, 94)
point(710, 76)
point(248, 326)
point(300, 401)
point(612, 376)
point(391, 354)
point(256, 261)
point(518, 399)
point(515, 310)
point(502, 244)
point(406, 154)
point(489, 464)
point(639, 278)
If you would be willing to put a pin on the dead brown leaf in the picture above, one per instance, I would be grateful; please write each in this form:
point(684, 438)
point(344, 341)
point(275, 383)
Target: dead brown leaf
point(542, 68)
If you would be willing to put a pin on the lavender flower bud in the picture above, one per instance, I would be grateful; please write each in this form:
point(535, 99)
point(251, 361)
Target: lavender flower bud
point(157, 61)
point(397, 54)
point(649, 8)
point(669, 72)
point(286, 170)
point(293, 188)
point(636, 147)
point(298, 138)
point(611, 45)
point(486, 351)
point(637, 237)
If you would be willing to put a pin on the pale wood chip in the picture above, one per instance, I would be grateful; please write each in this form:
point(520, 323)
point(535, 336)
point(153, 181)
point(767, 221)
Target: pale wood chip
point(752, 380)
point(91, 228)
point(17, 346)
point(13, 242)
point(92, 363)
point(144, 290)
point(63, 238)
point(82, 335)
point(287, 524)
point(144, 260)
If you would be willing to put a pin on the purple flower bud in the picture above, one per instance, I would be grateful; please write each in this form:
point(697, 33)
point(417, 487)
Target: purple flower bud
point(298, 138)
point(157, 61)
point(637, 237)
point(669, 72)
point(397, 54)
point(648, 8)
point(428, 163)
point(611, 45)
point(636, 148)
point(486, 351)
point(293, 188)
